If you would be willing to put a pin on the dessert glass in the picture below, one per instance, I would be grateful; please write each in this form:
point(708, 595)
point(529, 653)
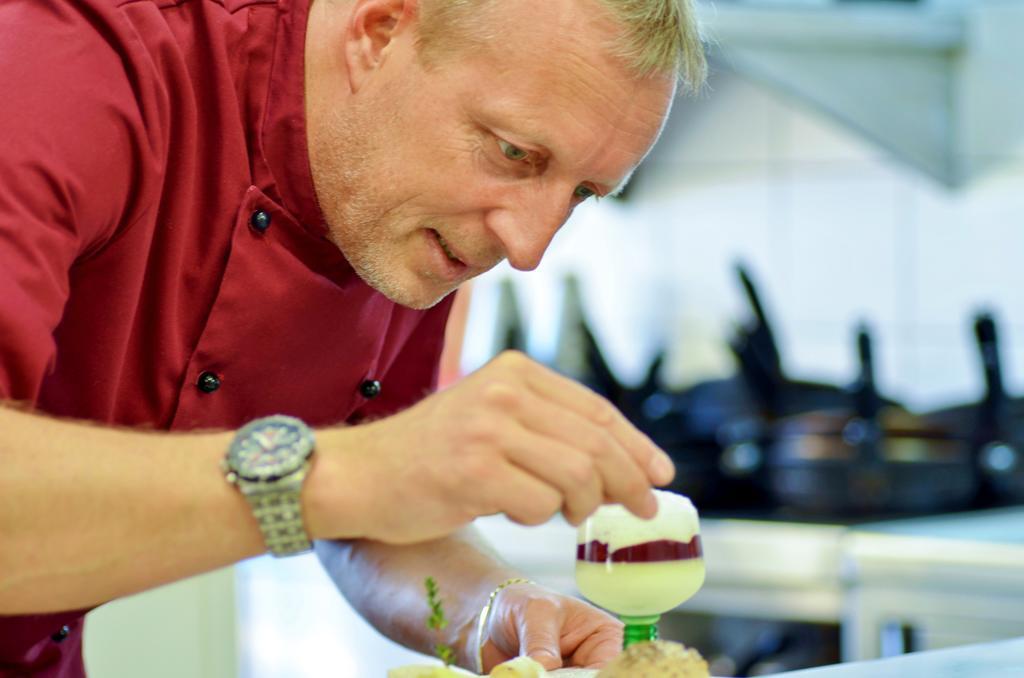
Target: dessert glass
point(639, 569)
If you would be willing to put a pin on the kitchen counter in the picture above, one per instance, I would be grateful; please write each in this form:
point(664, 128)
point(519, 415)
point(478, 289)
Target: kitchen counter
point(933, 582)
point(988, 660)
point(940, 548)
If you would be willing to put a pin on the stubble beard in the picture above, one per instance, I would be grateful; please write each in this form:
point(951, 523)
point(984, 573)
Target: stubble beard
point(354, 208)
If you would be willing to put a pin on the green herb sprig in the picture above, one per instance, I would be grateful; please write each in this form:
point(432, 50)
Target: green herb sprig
point(437, 622)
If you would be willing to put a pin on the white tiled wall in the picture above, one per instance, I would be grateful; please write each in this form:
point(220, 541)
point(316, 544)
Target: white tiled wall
point(834, 230)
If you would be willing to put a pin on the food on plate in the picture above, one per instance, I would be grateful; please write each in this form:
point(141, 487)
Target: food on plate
point(521, 670)
point(520, 667)
point(657, 659)
point(654, 659)
point(420, 671)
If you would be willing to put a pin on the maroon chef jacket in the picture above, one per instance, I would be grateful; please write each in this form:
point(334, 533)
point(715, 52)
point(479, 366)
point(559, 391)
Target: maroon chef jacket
point(158, 227)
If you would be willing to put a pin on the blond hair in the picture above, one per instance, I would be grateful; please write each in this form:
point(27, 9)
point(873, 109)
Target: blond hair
point(657, 37)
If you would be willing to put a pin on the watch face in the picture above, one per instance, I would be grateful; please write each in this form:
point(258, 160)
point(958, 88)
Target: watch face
point(270, 448)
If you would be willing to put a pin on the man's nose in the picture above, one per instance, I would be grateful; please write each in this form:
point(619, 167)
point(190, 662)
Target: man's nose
point(527, 227)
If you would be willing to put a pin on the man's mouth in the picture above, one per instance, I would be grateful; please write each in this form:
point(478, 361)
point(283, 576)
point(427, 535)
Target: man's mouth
point(447, 250)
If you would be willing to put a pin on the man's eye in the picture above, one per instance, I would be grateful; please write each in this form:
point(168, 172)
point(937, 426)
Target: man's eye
point(512, 152)
point(582, 192)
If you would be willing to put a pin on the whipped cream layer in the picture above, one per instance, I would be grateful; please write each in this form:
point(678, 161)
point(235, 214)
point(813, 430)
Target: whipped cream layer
point(618, 528)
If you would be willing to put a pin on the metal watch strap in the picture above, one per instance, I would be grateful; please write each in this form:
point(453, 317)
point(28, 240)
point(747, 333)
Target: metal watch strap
point(279, 515)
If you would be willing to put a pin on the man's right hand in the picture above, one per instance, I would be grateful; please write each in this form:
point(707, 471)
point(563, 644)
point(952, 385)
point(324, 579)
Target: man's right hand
point(513, 438)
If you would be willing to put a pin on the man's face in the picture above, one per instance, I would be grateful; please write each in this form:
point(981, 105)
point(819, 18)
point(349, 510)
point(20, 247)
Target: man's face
point(428, 177)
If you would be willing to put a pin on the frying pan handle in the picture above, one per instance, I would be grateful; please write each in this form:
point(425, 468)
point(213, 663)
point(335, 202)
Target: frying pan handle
point(867, 402)
point(865, 430)
point(605, 380)
point(756, 350)
point(988, 347)
point(766, 345)
point(652, 382)
point(764, 385)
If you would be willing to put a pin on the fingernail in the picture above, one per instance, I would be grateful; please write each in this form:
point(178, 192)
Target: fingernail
point(662, 469)
point(652, 505)
point(546, 659)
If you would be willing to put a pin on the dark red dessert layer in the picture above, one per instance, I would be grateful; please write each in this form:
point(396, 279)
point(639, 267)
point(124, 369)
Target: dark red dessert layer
point(648, 552)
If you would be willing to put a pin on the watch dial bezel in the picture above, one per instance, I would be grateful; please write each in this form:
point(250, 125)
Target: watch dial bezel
point(271, 448)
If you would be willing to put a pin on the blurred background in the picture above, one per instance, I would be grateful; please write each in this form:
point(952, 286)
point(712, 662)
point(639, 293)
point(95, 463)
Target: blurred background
point(809, 295)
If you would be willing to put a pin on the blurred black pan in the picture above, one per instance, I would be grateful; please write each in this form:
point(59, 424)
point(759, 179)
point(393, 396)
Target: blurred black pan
point(869, 458)
point(993, 428)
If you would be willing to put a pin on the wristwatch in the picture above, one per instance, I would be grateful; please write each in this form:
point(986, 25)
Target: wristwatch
point(267, 461)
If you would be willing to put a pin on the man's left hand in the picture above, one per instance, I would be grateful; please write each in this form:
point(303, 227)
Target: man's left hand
point(552, 629)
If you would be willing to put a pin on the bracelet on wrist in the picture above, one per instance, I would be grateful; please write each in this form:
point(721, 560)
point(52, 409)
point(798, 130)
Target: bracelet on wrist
point(485, 616)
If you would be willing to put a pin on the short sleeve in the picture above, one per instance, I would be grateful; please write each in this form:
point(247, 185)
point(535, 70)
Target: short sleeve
point(69, 149)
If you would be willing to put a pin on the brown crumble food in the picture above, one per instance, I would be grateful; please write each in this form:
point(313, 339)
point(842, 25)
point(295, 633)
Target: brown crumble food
point(657, 659)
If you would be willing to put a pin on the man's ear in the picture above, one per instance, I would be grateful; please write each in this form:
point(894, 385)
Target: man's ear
point(372, 28)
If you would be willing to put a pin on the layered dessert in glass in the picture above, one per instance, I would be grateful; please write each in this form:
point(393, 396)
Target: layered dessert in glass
point(639, 569)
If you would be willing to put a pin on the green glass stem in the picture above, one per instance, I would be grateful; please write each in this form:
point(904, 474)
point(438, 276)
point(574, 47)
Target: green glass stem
point(639, 629)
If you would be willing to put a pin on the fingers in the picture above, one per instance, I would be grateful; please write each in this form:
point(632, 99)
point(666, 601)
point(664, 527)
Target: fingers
point(523, 497)
point(586, 464)
point(579, 399)
point(590, 637)
point(555, 630)
point(561, 466)
point(593, 439)
point(597, 650)
point(540, 632)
